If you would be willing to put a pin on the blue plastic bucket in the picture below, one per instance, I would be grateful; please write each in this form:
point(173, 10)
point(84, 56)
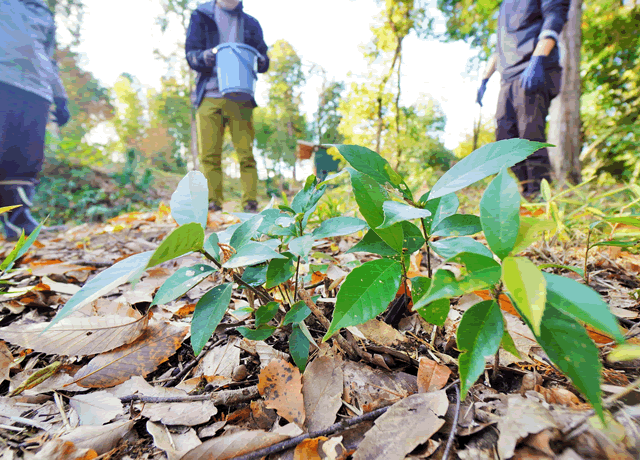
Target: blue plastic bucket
point(237, 69)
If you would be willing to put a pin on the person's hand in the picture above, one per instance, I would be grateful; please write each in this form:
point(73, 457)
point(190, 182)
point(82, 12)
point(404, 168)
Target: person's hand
point(61, 114)
point(533, 78)
point(209, 57)
point(261, 60)
point(481, 90)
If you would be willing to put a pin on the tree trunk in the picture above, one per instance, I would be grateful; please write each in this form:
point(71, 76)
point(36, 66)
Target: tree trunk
point(564, 127)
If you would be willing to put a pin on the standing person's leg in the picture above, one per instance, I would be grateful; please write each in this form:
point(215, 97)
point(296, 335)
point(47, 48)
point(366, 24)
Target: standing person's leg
point(532, 109)
point(210, 125)
point(242, 134)
point(507, 123)
point(23, 121)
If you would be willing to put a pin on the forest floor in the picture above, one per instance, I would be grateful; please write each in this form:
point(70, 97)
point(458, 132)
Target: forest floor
point(394, 395)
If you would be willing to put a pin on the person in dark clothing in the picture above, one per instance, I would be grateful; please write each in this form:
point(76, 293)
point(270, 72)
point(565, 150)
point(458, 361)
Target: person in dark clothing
point(528, 59)
point(213, 23)
point(29, 84)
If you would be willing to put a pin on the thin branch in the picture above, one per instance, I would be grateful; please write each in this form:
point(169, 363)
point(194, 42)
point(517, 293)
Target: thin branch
point(454, 428)
point(224, 398)
point(263, 295)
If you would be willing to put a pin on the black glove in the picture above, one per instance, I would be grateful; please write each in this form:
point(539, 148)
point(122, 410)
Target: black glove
point(209, 57)
point(481, 90)
point(61, 113)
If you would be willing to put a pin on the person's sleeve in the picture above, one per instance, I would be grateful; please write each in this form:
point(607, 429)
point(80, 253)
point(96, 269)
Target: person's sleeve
point(555, 14)
point(262, 49)
point(195, 44)
point(56, 82)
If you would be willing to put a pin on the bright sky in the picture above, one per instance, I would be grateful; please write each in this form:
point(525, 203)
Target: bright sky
point(120, 36)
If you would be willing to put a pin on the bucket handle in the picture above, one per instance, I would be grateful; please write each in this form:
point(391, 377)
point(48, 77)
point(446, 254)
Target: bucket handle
point(244, 61)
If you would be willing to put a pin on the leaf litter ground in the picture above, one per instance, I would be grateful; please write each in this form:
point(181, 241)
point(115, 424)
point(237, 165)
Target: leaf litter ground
point(134, 389)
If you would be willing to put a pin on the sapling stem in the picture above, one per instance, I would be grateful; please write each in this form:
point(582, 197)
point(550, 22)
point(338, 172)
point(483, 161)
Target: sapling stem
point(295, 292)
point(426, 243)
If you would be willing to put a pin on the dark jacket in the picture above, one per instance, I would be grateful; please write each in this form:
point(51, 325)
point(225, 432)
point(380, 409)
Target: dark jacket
point(203, 35)
point(27, 44)
point(521, 24)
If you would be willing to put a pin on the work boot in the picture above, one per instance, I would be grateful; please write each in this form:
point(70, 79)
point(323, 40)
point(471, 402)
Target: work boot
point(214, 207)
point(251, 206)
point(18, 219)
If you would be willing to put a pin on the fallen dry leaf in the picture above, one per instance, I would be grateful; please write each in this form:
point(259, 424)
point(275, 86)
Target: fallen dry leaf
point(523, 417)
point(308, 449)
point(322, 391)
point(431, 375)
point(96, 408)
point(407, 424)
point(218, 364)
point(182, 413)
point(381, 333)
point(561, 396)
point(77, 336)
point(6, 360)
point(102, 438)
point(233, 445)
point(281, 387)
point(267, 353)
point(158, 342)
point(175, 445)
point(57, 449)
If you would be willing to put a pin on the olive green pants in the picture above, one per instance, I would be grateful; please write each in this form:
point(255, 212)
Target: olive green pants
point(212, 117)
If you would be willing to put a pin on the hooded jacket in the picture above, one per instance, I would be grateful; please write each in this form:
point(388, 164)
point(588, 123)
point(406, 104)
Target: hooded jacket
point(27, 45)
point(521, 24)
point(203, 35)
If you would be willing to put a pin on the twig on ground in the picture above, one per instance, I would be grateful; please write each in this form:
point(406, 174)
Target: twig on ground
point(190, 365)
point(292, 442)
point(223, 398)
point(454, 427)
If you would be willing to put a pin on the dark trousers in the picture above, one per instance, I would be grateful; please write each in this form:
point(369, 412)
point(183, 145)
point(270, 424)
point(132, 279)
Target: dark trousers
point(23, 121)
point(524, 115)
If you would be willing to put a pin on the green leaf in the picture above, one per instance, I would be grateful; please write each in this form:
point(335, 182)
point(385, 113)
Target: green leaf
point(500, 213)
point(440, 208)
point(307, 199)
point(372, 243)
point(370, 197)
point(545, 190)
point(22, 246)
point(189, 203)
point(395, 211)
point(180, 282)
point(528, 232)
point(224, 237)
point(449, 247)
point(509, 345)
point(487, 160)
point(183, 240)
point(332, 177)
point(269, 220)
point(260, 333)
point(365, 293)
point(624, 352)
point(298, 313)
point(339, 226)
point(479, 335)
point(211, 246)
point(255, 275)
point(280, 270)
point(527, 286)
point(301, 246)
point(209, 312)
point(569, 347)
point(104, 282)
point(299, 347)
point(618, 243)
point(577, 270)
point(626, 220)
point(434, 313)
point(252, 253)
point(287, 209)
point(246, 231)
point(457, 225)
point(483, 272)
point(413, 239)
point(582, 303)
point(372, 164)
point(266, 313)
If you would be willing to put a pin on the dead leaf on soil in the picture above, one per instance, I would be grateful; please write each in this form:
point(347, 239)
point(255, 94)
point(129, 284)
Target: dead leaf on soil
point(370, 388)
point(158, 342)
point(431, 375)
point(523, 417)
point(57, 449)
point(218, 364)
point(6, 360)
point(390, 439)
point(183, 413)
point(100, 438)
point(77, 336)
point(322, 391)
point(96, 408)
point(233, 445)
point(281, 387)
point(308, 449)
point(381, 333)
point(175, 445)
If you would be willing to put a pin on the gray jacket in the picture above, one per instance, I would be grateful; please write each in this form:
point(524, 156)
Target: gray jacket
point(27, 44)
point(521, 24)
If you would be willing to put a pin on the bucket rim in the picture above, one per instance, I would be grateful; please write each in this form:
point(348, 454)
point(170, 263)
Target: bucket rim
point(238, 45)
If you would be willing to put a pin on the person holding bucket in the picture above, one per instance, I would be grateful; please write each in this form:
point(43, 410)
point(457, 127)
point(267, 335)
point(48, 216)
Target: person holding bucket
point(227, 49)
